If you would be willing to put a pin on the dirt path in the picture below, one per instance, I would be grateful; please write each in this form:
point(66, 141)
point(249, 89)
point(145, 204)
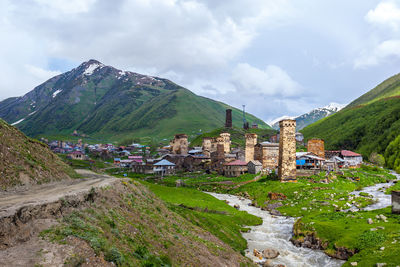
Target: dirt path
point(10, 202)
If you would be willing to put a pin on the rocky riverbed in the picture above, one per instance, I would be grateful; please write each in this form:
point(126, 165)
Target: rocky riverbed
point(275, 233)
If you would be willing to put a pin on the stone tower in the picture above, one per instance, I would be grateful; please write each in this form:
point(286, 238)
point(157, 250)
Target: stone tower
point(251, 141)
point(316, 146)
point(179, 145)
point(287, 151)
point(228, 118)
point(226, 142)
point(207, 146)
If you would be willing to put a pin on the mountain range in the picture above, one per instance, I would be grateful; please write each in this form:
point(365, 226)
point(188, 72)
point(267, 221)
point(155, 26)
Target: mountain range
point(367, 125)
point(103, 102)
point(311, 117)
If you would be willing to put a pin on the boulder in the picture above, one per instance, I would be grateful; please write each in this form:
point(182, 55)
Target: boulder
point(236, 206)
point(275, 212)
point(268, 263)
point(274, 206)
point(257, 254)
point(270, 253)
point(370, 221)
point(354, 263)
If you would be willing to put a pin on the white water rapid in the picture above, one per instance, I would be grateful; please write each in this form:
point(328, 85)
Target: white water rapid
point(275, 232)
point(382, 200)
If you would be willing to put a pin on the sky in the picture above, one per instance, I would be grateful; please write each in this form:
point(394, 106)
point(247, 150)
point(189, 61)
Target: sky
point(277, 57)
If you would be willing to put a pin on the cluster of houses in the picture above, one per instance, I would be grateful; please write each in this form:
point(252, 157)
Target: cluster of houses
point(216, 154)
point(79, 151)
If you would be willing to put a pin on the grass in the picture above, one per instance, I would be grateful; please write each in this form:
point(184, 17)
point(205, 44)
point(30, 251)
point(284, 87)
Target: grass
point(130, 226)
point(209, 213)
point(319, 206)
point(365, 129)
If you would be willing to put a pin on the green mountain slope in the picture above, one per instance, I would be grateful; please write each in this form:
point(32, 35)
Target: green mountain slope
point(110, 104)
point(367, 125)
point(26, 161)
point(388, 88)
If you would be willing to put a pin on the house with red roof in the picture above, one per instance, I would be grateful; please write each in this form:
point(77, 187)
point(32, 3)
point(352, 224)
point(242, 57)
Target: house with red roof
point(351, 158)
point(235, 168)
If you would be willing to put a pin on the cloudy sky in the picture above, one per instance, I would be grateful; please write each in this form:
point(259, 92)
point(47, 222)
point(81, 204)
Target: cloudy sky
point(278, 57)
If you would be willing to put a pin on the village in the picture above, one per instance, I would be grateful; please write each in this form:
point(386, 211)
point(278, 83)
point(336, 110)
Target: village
point(279, 155)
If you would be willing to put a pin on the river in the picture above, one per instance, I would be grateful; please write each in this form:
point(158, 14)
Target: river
point(275, 232)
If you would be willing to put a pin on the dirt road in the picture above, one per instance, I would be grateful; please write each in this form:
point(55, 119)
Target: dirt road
point(10, 202)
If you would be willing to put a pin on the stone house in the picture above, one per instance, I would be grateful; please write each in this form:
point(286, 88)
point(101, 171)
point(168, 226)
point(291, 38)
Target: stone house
point(351, 158)
point(254, 166)
point(235, 168)
point(179, 145)
point(268, 154)
point(316, 146)
point(164, 167)
point(77, 155)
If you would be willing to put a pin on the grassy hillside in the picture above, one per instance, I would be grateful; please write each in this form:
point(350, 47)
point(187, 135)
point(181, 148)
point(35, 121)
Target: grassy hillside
point(366, 125)
point(128, 225)
point(388, 88)
point(237, 135)
point(27, 161)
point(366, 129)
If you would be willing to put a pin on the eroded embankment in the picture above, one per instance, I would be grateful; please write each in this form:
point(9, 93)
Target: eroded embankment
point(118, 221)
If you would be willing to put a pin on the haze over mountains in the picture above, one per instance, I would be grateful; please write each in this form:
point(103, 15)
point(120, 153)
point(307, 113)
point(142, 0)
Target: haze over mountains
point(312, 116)
point(105, 102)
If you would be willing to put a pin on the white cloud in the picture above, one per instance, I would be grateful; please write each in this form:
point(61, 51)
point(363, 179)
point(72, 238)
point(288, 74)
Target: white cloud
point(386, 13)
point(41, 74)
point(384, 52)
point(272, 81)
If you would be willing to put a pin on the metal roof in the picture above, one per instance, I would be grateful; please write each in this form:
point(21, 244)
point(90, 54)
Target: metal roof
point(164, 162)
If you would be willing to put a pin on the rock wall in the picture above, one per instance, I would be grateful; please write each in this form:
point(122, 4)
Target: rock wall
point(180, 144)
point(287, 151)
point(396, 202)
point(316, 146)
point(226, 139)
point(251, 141)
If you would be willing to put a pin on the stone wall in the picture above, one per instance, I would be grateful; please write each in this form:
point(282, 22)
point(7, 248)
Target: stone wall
point(316, 146)
point(287, 151)
point(396, 202)
point(180, 145)
point(207, 146)
point(268, 155)
point(226, 139)
point(251, 141)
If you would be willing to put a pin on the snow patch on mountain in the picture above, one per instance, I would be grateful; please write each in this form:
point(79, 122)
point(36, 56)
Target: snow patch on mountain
point(91, 68)
point(312, 116)
point(56, 93)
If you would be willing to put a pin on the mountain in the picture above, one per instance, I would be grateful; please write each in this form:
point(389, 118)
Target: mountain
point(104, 102)
point(312, 116)
point(366, 125)
point(26, 161)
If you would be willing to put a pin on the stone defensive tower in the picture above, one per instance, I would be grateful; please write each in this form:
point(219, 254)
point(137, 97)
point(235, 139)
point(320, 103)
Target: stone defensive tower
point(287, 151)
point(226, 142)
point(316, 146)
point(207, 146)
point(179, 145)
point(228, 118)
point(251, 141)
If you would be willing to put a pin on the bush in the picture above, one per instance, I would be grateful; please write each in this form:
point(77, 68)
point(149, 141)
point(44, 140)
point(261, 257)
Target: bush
point(377, 159)
point(370, 239)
